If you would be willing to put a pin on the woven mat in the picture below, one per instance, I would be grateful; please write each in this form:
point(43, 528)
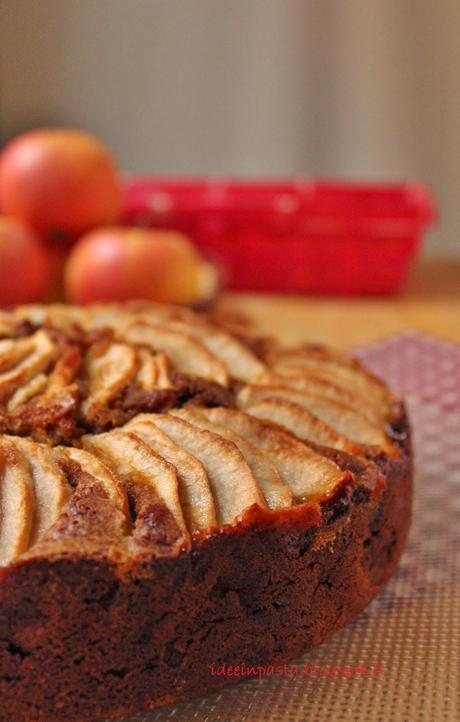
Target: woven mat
point(403, 651)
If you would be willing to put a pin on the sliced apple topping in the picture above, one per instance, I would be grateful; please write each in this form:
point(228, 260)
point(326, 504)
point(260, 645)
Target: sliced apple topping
point(194, 491)
point(12, 351)
point(109, 373)
point(153, 371)
point(338, 415)
point(315, 384)
point(49, 385)
point(115, 315)
point(306, 472)
point(17, 504)
point(9, 325)
point(334, 367)
point(42, 351)
point(278, 495)
point(232, 482)
point(185, 353)
point(105, 315)
point(24, 393)
point(110, 481)
point(60, 315)
point(52, 490)
point(138, 464)
point(36, 313)
point(239, 361)
point(302, 423)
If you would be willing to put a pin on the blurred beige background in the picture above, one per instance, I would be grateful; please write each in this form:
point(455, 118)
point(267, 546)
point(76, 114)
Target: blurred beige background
point(350, 88)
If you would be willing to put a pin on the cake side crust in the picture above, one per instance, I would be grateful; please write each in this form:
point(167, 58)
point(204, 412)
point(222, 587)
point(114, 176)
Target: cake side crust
point(86, 638)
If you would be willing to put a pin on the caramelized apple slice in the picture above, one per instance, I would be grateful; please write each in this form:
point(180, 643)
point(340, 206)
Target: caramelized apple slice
point(302, 423)
point(116, 315)
point(194, 492)
point(94, 467)
point(24, 393)
point(43, 350)
point(36, 313)
point(9, 325)
point(50, 387)
point(12, 351)
point(344, 419)
point(153, 372)
point(239, 361)
point(186, 354)
point(109, 373)
point(311, 382)
point(232, 482)
point(17, 505)
point(378, 404)
point(308, 474)
point(277, 494)
point(138, 464)
point(313, 352)
point(106, 315)
point(333, 367)
point(60, 315)
point(155, 312)
point(51, 488)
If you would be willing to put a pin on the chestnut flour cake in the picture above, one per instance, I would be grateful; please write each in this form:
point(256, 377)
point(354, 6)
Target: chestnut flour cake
point(176, 493)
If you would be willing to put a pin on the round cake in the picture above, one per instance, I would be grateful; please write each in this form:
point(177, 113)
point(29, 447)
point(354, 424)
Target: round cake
point(177, 493)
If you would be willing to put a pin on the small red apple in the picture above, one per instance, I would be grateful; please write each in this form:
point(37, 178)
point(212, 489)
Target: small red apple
point(25, 265)
point(118, 264)
point(61, 182)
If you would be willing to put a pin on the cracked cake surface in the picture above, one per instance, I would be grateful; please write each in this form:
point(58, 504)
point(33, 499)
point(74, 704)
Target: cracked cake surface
point(177, 492)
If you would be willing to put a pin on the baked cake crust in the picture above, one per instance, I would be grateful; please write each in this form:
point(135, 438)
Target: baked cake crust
point(255, 510)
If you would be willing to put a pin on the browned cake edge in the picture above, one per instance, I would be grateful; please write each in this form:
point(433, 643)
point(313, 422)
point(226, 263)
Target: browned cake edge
point(86, 637)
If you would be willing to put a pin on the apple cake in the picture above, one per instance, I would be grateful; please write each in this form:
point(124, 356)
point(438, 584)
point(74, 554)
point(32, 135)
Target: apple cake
point(177, 493)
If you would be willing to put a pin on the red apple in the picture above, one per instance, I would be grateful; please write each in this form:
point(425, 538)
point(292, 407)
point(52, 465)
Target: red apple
point(117, 264)
point(25, 265)
point(61, 182)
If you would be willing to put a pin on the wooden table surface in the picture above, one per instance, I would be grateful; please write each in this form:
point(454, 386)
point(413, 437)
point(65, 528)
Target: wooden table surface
point(430, 303)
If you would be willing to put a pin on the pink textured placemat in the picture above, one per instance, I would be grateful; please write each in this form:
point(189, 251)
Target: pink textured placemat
point(409, 637)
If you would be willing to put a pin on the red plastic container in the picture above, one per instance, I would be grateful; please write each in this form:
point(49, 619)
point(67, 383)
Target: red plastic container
point(296, 236)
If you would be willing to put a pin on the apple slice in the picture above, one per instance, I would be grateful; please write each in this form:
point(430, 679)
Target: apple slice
point(153, 371)
point(9, 325)
point(116, 315)
point(60, 315)
point(17, 505)
point(232, 482)
point(309, 475)
point(239, 361)
point(108, 373)
point(43, 351)
point(24, 393)
point(334, 367)
point(302, 423)
point(186, 354)
point(110, 481)
point(52, 490)
point(49, 387)
point(36, 313)
point(194, 492)
point(106, 315)
point(277, 494)
point(13, 351)
point(138, 464)
point(315, 384)
point(336, 414)
point(313, 352)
